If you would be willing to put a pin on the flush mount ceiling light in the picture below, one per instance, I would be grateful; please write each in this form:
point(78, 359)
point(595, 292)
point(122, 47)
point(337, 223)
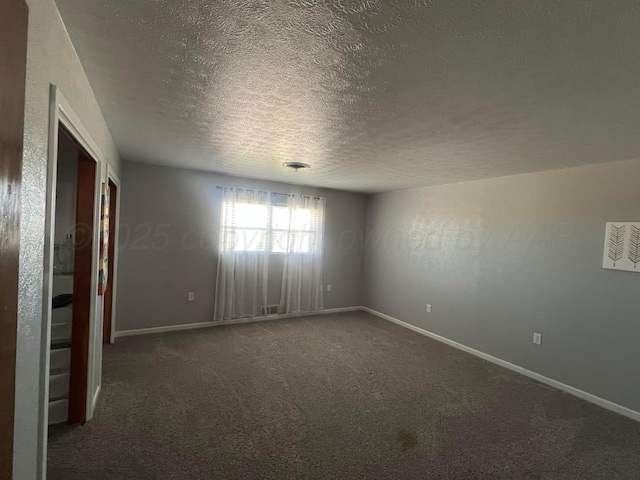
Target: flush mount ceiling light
point(296, 165)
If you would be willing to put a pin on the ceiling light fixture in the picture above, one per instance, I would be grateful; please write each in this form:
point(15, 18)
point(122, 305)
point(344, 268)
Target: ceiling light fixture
point(296, 165)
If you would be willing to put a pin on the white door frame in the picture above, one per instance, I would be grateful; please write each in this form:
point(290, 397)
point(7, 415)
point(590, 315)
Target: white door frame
point(60, 112)
point(113, 176)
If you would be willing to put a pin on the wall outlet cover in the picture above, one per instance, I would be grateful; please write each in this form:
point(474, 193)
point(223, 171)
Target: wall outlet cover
point(537, 338)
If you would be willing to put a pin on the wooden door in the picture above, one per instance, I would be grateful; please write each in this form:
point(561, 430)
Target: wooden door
point(108, 293)
point(13, 62)
point(82, 288)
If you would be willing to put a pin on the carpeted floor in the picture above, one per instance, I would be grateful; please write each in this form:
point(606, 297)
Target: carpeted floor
point(345, 396)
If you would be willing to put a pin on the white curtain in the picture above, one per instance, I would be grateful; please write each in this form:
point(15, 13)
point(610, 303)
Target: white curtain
point(243, 256)
point(299, 233)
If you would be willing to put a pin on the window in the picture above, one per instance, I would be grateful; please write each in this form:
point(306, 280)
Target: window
point(254, 226)
point(244, 228)
point(291, 230)
point(278, 229)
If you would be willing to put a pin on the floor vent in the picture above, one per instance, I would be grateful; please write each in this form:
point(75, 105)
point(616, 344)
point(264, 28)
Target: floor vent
point(270, 310)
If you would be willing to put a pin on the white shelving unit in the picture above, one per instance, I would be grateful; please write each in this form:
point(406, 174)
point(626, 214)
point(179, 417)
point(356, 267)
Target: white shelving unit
point(60, 359)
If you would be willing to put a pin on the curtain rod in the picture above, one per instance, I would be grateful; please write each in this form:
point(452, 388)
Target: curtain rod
point(268, 191)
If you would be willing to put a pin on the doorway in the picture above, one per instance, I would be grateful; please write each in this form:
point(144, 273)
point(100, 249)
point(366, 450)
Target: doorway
point(71, 399)
point(72, 294)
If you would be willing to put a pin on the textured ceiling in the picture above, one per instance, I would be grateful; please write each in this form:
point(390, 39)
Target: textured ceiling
point(376, 95)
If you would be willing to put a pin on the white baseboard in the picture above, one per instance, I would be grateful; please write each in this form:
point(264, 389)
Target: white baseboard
point(614, 407)
point(192, 326)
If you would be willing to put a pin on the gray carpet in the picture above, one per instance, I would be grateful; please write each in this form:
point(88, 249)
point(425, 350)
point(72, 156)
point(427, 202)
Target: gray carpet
point(331, 397)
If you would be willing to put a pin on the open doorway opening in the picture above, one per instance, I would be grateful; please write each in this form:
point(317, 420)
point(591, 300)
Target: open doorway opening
point(72, 286)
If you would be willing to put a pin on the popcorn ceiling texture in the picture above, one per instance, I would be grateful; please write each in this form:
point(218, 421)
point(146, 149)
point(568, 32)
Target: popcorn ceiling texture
point(375, 95)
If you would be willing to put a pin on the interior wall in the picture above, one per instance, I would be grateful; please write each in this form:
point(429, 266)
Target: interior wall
point(168, 242)
point(503, 258)
point(51, 59)
point(66, 193)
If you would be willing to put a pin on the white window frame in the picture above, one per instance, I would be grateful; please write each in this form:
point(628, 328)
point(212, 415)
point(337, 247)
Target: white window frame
point(270, 232)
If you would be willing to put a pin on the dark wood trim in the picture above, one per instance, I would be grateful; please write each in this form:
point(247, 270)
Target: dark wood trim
point(108, 294)
point(13, 62)
point(82, 288)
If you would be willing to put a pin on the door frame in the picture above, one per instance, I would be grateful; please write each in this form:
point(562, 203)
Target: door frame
point(113, 177)
point(60, 112)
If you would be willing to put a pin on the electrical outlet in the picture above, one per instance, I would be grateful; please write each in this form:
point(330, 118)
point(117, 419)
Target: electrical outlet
point(328, 288)
point(537, 338)
point(191, 296)
point(428, 308)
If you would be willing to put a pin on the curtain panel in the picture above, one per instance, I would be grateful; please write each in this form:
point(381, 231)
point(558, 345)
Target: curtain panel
point(243, 260)
point(302, 276)
point(254, 225)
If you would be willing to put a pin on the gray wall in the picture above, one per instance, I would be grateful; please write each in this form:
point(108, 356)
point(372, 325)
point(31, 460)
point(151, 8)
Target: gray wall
point(66, 193)
point(51, 59)
point(500, 259)
point(168, 234)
